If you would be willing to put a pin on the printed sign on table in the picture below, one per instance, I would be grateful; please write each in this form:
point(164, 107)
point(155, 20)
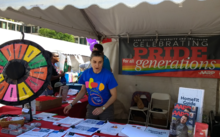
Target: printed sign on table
point(192, 97)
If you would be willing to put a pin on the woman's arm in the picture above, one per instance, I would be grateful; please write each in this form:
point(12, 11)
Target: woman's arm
point(111, 100)
point(81, 93)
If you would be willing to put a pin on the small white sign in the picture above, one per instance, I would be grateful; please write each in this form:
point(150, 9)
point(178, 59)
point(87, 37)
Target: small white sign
point(25, 110)
point(33, 107)
point(192, 97)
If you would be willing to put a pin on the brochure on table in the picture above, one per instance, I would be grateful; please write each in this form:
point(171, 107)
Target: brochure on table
point(92, 123)
point(86, 130)
point(43, 115)
point(56, 133)
point(73, 91)
point(88, 126)
point(192, 97)
point(36, 132)
point(52, 119)
point(142, 128)
point(134, 132)
point(112, 129)
point(75, 135)
point(157, 132)
point(68, 121)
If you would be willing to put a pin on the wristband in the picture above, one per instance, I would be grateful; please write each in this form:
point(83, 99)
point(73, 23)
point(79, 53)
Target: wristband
point(71, 105)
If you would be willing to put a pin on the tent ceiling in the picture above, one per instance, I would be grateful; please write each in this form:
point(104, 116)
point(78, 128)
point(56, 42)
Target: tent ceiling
point(112, 18)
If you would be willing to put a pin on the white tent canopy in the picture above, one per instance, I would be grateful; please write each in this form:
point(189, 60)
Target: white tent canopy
point(111, 18)
point(80, 4)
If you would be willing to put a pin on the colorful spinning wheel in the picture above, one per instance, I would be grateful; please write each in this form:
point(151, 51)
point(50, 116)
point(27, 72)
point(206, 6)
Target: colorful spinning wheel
point(25, 71)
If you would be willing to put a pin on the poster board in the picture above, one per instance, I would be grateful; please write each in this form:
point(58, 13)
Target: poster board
point(192, 97)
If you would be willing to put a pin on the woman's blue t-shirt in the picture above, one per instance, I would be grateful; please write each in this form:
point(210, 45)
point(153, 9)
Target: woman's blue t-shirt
point(98, 85)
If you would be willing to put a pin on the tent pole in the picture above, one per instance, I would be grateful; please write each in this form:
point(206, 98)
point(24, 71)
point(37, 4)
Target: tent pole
point(153, 35)
point(217, 99)
point(91, 24)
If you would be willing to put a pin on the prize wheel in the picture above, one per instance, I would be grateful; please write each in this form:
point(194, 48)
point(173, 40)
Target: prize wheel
point(25, 71)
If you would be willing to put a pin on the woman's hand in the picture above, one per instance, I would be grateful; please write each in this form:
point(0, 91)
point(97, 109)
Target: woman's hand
point(97, 111)
point(67, 109)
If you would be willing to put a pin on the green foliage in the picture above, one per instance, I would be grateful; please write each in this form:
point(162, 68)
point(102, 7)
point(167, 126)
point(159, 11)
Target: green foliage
point(8, 19)
point(56, 35)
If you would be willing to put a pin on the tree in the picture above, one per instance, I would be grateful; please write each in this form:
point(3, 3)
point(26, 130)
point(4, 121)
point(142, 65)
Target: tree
point(56, 35)
point(8, 19)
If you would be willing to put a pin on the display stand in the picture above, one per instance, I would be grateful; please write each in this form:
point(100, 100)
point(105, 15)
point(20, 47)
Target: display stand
point(30, 111)
point(25, 72)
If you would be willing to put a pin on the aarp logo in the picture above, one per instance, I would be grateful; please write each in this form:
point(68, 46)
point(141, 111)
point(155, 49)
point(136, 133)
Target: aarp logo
point(207, 72)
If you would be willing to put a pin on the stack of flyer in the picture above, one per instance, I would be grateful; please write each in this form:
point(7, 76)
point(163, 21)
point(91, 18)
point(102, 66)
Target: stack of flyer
point(187, 112)
point(112, 129)
point(68, 121)
point(158, 132)
point(182, 123)
point(43, 115)
point(87, 127)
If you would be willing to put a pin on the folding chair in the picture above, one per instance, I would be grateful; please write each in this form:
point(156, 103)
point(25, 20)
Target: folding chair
point(145, 97)
point(159, 97)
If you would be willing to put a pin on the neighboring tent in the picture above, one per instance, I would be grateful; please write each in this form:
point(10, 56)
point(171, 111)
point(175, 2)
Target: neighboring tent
point(114, 18)
point(49, 44)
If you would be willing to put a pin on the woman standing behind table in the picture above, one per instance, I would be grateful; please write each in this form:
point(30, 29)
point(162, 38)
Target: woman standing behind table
point(101, 87)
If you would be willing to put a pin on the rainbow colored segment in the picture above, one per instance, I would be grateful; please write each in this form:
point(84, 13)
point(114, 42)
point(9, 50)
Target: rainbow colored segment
point(20, 50)
point(131, 70)
point(11, 93)
point(39, 61)
point(1, 77)
point(40, 73)
point(31, 53)
point(8, 52)
point(167, 69)
point(34, 84)
point(3, 60)
point(1, 69)
point(91, 84)
point(3, 88)
point(24, 91)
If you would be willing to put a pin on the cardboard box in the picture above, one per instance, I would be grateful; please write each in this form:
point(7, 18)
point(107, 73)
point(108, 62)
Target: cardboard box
point(49, 104)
